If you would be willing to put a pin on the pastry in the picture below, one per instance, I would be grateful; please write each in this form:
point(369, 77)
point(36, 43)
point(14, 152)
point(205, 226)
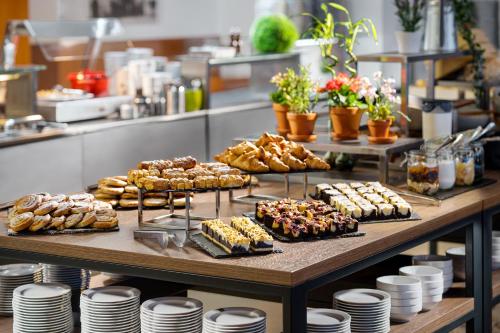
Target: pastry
point(101, 205)
point(260, 240)
point(59, 198)
point(131, 189)
point(155, 195)
point(277, 165)
point(82, 207)
point(227, 238)
point(155, 202)
point(104, 196)
point(153, 183)
point(87, 220)
point(82, 197)
point(293, 162)
point(243, 148)
point(45, 196)
point(227, 181)
point(39, 222)
point(106, 212)
point(46, 208)
point(12, 212)
point(64, 208)
point(28, 203)
point(314, 162)
point(122, 178)
point(105, 225)
point(250, 162)
point(112, 202)
point(72, 220)
point(56, 222)
point(21, 221)
point(110, 181)
point(111, 190)
point(128, 203)
point(129, 195)
point(185, 163)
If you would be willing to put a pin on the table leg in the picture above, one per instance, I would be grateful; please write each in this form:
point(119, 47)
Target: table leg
point(139, 207)
point(217, 203)
point(171, 202)
point(295, 311)
point(188, 213)
point(383, 169)
point(488, 220)
point(474, 271)
point(287, 186)
point(306, 183)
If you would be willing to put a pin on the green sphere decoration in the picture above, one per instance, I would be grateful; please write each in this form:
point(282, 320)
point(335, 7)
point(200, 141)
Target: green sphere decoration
point(273, 34)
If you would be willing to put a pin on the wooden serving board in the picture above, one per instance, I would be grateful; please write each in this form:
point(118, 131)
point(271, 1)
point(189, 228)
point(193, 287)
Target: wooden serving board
point(282, 238)
point(10, 232)
point(218, 253)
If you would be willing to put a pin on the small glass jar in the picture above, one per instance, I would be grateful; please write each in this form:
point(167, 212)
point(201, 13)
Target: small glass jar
point(464, 163)
point(447, 172)
point(478, 149)
point(423, 172)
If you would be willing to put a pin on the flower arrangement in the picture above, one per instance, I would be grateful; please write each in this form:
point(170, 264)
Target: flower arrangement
point(343, 91)
point(294, 90)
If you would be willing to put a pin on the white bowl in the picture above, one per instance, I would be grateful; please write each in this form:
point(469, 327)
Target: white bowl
point(405, 294)
point(442, 262)
point(402, 318)
point(426, 285)
point(398, 283)
point(406, 309)
point(496, 234)
point(423, 273)
point(406, 302)
point(458, 256)
point(432, 299)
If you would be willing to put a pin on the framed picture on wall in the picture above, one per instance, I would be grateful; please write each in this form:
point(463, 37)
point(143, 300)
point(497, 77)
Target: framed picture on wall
point(125, 9)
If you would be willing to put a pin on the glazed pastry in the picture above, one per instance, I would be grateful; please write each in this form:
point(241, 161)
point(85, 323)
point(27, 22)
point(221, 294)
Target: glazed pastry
point(111, 190)
point(46, 208)
point(131, 189)
point(64, 208)
point(82, 207)
point(103, 196)
point(113, 182)
point(226, 181)
point(275, 164)
point(155, 202)
point(72, 220)
point(292, 162)
point(153, 183)
point(128, 203)
point(249, 162)
point(87, 220)
point(106, 212)
point(40, 222)
point(45, 196)
point(101, 205)
point(59, 198)
point(243, 148)
point(105, 225)
point(316, 163)
point(129, 195)
point(185, 163)
point(82, 197)
point(21, 221)
point(56, 222)
point(28, 203)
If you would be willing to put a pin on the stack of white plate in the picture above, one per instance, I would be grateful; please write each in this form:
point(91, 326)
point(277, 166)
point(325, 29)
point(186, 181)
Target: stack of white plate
point(457, 254)
point(235, 319)
point(444, 263)
point(328, 320)
point(110, 309)
point(42, 307)
point(78, 279)
point(171, 314)
point(495, 250)
point(406, 296)
point(432, 283)
point(13, 276)
point(369, 309)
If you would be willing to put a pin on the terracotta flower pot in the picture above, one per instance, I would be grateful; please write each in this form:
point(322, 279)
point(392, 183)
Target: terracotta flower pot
point(281, 111)
point(379, 128)
point(302, 126)
point(345, 122)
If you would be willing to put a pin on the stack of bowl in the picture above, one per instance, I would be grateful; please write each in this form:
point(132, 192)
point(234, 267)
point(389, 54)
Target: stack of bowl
point(406, 296)
point(432, 283)
point(495, 249)
point(444, 263)
point(457, 254)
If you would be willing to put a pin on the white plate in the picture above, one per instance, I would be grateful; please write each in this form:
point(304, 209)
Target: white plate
point(235, 316)
point(433, 260)
point(327, 317)
point(398, 283)
point(362, 296)
point(172, 306)
point(46, 291)
point(18, 270)
point(456, 251)
point(424, 273)
point(112, 294)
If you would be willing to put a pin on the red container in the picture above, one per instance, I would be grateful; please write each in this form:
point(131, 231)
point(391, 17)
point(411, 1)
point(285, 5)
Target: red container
point(94, 82)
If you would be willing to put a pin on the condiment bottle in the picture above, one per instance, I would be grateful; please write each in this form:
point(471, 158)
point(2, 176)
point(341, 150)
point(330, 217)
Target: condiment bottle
point(446, 165)
point(478, 149)
point(464, 162)
point(423, 172)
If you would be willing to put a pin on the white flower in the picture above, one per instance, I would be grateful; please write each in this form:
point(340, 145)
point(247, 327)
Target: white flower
point(377, 75)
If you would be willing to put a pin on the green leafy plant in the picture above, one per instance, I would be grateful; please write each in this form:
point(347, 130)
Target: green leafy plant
point(464, 15)
point(410, 13)
point(273, 33)
point(326, 31)
point(343, 91)
point(294, 89)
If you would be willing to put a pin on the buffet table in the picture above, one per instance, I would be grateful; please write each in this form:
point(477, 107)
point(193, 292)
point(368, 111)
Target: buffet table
point(301, 267)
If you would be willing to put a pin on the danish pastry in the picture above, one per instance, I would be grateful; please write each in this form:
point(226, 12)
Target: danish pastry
point(64, 208)
point(82, 197)
point(59, 198)
point(106, 211)
point(39, 222)
point(56, 222)
point(131, 189)
point(21, 221)
point(82, 207)
point(73, 220)
point(105, 225)
point(111, 190)
point(87, 220)
point(155, 202)
point(129, 203)
point(28, 203)
point(46, 208)
point(129, 195)
point(110, 181)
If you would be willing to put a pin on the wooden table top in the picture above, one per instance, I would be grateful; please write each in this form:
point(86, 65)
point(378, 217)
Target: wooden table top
point(298, 263)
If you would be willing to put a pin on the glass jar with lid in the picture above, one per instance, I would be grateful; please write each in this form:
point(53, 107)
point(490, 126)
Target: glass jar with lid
point(423, 172)
point(478, 149)
point(464, 164)
point(447, 173)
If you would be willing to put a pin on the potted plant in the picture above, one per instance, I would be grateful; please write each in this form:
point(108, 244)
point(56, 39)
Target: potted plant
point(279, 99)
point(297, 96)
point(380, 99)
point(346, 106)
point(410, 14)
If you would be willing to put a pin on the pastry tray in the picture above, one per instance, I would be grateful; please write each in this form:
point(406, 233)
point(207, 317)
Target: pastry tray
point(413, 217)
point(60, 232)
point(218, 253)
point(282, 238)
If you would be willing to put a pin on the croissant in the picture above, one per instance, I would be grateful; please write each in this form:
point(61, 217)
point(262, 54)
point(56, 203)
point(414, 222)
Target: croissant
point(243, 147)
point(273, 148)
point(314, 162)
point(264, 155)
point(293, 162)
point(275, 164)
point(222, 157)
point(300, 152)
point(250, 162)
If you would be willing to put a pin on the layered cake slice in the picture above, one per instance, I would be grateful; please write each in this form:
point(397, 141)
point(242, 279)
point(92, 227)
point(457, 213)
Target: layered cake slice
point(260, 240)
point(227, 238)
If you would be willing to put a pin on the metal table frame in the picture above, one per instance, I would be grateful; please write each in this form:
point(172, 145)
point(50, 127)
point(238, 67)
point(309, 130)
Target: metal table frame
point(294, 298)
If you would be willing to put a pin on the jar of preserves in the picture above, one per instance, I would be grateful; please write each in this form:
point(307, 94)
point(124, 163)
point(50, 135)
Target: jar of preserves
point(423, 172)
point(446, 165)
point(478, 149)
point(464, 163)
